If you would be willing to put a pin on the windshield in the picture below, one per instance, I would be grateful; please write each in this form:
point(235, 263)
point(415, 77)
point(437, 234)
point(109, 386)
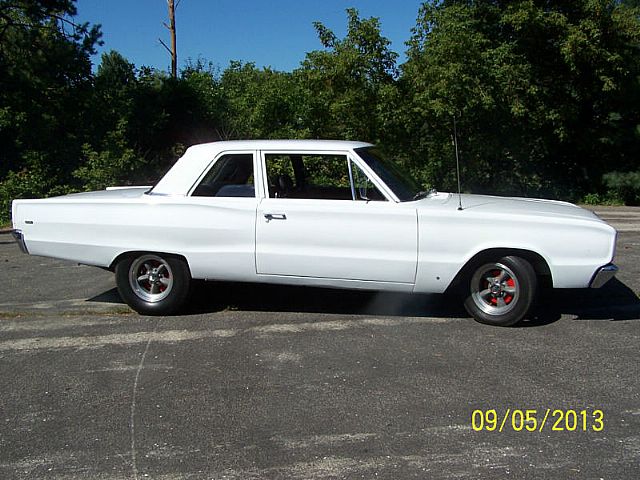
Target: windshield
point(402, 184)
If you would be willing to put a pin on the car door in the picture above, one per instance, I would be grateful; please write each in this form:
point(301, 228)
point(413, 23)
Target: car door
point(219, 214)
point(315, 221)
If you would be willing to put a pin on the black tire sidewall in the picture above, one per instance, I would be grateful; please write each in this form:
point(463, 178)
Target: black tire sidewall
point(528, 284)
point(168, 305)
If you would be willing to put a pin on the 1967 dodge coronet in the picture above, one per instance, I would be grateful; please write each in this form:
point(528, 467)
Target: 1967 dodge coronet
point(324, 213)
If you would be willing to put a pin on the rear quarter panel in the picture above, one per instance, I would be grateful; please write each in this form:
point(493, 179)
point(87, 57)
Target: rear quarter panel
point(216, 236)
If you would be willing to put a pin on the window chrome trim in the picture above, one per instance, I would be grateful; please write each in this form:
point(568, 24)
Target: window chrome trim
point(214, 161)
point(353, 185)
point(351, 157)
point(373, 177)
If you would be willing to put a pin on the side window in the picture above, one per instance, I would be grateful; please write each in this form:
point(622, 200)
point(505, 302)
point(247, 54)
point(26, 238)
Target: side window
point(364, 187)
point(323, 177)
point(230, 176)
point(280, 175)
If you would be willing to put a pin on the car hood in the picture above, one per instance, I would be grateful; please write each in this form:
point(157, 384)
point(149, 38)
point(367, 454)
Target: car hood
point(482, 204)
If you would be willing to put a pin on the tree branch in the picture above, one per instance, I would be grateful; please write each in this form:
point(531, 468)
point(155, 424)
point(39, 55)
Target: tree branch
point(165, 45)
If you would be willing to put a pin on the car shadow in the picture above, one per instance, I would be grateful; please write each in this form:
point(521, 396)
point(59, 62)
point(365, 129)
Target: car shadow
point(110, 296)
point(614, 301)
point(278, 298)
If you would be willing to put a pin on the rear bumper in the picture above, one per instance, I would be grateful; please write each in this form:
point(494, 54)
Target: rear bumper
point(603, 275)
point(17, 234)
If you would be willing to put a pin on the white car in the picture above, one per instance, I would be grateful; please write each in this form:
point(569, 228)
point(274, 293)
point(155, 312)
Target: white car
point(321, 213)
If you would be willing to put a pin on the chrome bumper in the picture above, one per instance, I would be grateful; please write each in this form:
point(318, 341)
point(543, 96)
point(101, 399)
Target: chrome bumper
point(603, 275)
point(17, 234)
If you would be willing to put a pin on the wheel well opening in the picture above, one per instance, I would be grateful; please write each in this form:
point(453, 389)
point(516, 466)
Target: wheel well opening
point(117, 260)
point(539, 264)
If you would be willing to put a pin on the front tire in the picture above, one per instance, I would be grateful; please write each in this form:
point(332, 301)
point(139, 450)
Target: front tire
point(501, 292)
point(153, 283)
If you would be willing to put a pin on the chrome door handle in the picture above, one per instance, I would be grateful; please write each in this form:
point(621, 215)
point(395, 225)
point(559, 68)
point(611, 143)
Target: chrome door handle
point(275, 216)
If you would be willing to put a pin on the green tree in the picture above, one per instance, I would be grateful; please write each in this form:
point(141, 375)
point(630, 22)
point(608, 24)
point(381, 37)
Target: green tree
point(45, 85)
point(111, 104)
point(259, 103)
point(345, 84)
point(545, 92)
point(109, 157)
point(202, 79)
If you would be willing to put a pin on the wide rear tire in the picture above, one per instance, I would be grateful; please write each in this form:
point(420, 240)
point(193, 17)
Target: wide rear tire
point(153, 283)
point(501, 292)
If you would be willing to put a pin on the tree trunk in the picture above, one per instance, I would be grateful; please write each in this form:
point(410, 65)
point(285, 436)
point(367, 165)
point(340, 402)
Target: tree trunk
point(172, 30)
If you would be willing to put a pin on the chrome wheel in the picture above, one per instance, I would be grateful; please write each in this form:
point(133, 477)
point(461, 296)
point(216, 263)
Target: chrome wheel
point(150, 278)
point(153, 283)
point(495, 289)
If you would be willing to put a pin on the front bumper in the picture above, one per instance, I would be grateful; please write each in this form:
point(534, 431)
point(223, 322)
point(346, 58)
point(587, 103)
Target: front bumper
point(17, 234)
point(603, 275)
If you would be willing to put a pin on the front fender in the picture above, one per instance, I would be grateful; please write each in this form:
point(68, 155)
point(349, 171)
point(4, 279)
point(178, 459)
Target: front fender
point(572, 249)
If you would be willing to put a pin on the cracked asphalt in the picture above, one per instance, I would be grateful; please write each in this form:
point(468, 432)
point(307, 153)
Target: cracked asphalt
point(270, 382)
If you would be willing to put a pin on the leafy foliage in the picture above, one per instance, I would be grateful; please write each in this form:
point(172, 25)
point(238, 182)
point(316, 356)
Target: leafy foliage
point(258, 103)
point(545, 93)
point(624, 187)
point(115, 164)
point(344, 84)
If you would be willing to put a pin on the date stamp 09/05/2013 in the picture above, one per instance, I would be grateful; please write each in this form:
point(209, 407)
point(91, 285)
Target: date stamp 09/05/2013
point(531, 420)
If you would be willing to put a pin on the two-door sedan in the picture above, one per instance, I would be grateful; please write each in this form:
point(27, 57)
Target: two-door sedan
point(320, 213)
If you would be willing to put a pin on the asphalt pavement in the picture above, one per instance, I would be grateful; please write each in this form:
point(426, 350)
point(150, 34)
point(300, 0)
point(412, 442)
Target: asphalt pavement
point(270, 382)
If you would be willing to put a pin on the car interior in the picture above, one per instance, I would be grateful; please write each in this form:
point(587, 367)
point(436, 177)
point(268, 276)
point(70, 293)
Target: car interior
point(321, 177)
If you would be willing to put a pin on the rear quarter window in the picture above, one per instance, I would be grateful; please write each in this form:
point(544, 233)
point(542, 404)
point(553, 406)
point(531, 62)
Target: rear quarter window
point(230, 176)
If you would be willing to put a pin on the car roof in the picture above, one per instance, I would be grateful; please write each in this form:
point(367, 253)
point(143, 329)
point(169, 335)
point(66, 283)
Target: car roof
point(181, 177)
point(282, 144)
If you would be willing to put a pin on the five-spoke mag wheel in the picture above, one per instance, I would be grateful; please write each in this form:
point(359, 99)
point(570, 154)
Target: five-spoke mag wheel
point(153, 283)
point(151, 278)
point(501, 292)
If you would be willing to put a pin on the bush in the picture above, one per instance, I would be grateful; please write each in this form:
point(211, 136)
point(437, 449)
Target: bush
point(600, 199)
point(32, 182)
point(593, 199)
point(114, 165)
point(623, 186)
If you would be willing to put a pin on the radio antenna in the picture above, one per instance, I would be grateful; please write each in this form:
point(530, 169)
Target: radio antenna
point(455, 142)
